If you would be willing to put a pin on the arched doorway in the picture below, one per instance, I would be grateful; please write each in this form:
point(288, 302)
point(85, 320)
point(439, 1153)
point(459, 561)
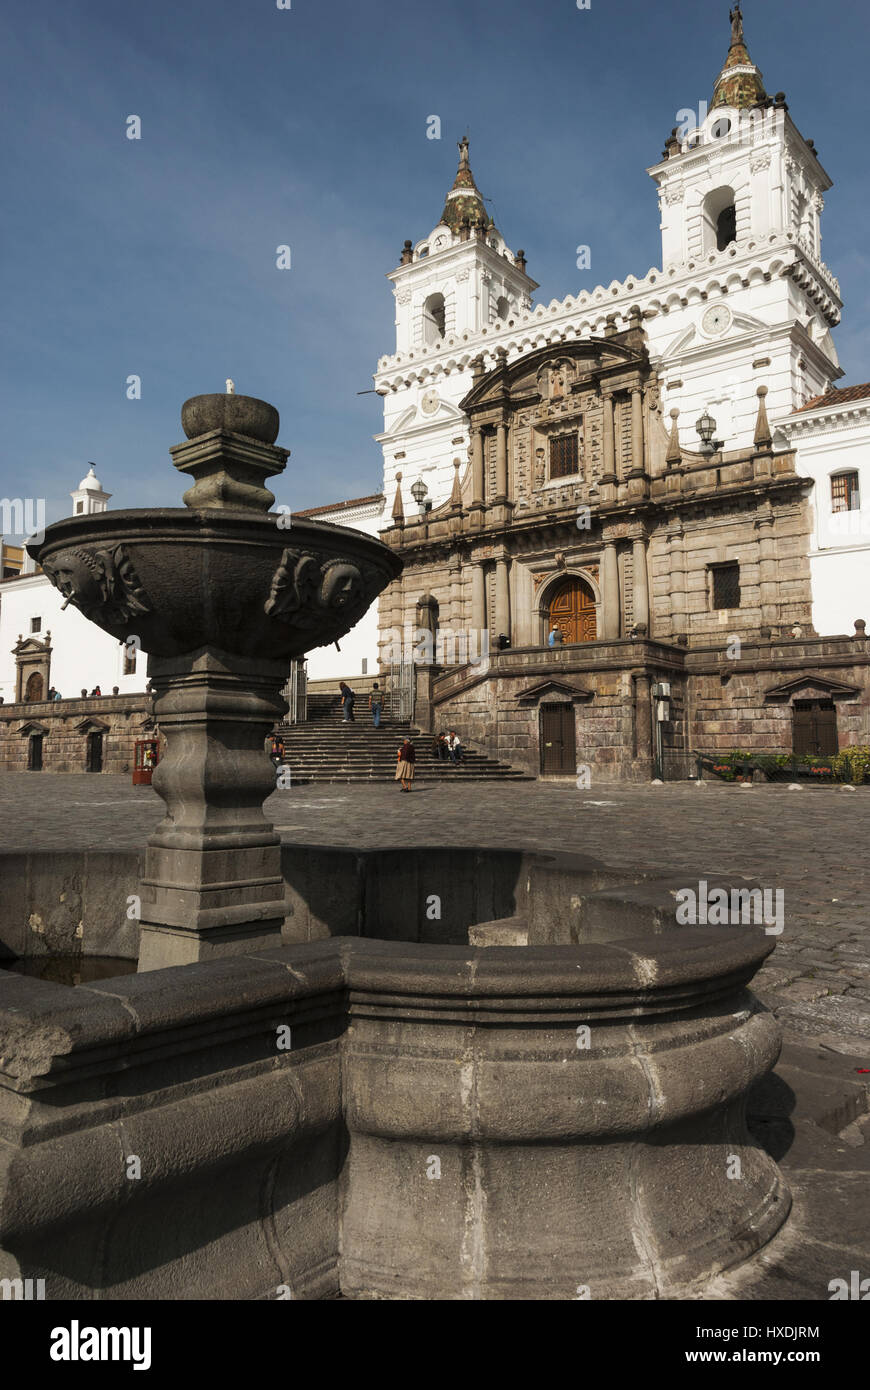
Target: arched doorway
point(572, 610)
point(34, 687)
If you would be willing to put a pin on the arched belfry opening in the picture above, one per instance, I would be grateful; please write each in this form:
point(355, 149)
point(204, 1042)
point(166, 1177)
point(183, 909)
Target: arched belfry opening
point(719, 219)
point(434, 319)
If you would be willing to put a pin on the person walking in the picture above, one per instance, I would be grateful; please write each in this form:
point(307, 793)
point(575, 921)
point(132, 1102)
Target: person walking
point(376, 704)
point(347, 699)
point(405, 765)
point(556, 637)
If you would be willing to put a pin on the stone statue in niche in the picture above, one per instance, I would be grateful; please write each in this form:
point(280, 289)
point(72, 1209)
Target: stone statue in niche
point(98, 582)
point(540, 468)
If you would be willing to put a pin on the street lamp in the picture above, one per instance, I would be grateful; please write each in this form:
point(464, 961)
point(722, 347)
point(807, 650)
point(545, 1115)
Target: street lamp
point(419, 491)
point(706, 427)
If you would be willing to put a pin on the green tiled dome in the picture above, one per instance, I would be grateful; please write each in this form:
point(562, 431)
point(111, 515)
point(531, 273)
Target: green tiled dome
point(740, 83)
point(464, 200)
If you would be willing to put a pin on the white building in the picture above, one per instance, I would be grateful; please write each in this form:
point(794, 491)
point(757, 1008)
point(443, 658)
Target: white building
point(832, 438)
point(743, 301)
point(357, 653)
point(79, 655)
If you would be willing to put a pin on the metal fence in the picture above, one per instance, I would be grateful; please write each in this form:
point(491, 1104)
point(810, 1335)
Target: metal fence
point(402, 686)
point(295, 693)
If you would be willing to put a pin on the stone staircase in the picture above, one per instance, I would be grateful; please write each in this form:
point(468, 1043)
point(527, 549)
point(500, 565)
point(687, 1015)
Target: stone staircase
point(325, 749)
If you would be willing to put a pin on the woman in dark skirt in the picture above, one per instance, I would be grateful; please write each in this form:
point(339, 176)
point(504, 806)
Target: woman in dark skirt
point(405, 765)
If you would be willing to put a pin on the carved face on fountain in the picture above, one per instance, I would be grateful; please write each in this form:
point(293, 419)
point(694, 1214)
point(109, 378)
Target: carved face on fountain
point(218, 573)
point(101, 583)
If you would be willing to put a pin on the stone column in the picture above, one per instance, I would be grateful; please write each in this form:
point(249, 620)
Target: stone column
point(501, 463)
point(768, 586)
point(477, 474)
point(637, 430)
point(610, 591)
point(502, 599)
point(212, 883)
point(643, 723)
point(640, 582)
point(608, 441)
point(677, 571)
point(478, 597)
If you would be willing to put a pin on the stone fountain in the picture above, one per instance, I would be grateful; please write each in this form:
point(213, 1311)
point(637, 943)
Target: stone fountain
point(451, 1116)
point(221, 594)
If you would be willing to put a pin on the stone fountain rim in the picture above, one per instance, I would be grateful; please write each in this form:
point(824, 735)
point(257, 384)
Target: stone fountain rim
point(146, 525)
point(369, 966)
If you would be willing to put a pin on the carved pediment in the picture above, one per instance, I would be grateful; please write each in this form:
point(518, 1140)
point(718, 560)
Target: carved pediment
point(538, 371)
point(31, 646)
point(541, 690)
point(32, 727)
point(812, 687)
point(92, 726)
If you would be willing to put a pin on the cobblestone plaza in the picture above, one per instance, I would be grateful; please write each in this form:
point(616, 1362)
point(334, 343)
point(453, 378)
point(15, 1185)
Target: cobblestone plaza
point(811, 844)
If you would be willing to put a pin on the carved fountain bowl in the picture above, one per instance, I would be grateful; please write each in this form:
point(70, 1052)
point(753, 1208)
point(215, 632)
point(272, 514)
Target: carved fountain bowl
point(178, 579)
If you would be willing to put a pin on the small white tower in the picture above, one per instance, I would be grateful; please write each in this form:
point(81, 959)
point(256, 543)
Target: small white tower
point(89, 496)
point(460, 279)
point(740, 170)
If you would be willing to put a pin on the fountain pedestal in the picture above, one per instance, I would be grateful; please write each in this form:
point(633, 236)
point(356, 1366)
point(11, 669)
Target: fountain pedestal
point(212, 883)
point(223, 596)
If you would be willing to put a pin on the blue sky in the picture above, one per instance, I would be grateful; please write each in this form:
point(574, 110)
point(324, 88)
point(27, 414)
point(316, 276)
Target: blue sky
point(307, 127)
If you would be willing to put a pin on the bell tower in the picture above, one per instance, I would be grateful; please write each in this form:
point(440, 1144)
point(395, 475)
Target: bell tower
point(738, 169)
point(89, 496)
point(460, 279)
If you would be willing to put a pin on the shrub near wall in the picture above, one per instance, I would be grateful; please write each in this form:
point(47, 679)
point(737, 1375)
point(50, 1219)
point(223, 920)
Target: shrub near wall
point(851, 766)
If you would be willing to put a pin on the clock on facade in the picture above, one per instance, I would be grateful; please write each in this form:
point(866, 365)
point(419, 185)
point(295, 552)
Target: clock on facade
point(716, 320)
point(429, 402)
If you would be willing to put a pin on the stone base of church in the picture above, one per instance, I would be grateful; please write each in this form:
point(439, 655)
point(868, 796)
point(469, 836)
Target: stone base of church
point(631, 710)
point(64, 726)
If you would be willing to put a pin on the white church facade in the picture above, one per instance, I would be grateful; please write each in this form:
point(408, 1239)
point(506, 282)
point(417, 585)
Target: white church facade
point(743, 300)
point(741, 310)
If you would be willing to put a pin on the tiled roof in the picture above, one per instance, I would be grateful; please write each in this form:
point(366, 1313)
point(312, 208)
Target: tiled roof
point(740, 83)
point(838, 396)
point(341, 506)
point(464, 202)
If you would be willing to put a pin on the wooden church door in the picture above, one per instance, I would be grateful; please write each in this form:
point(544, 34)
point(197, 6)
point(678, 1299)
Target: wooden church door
point(572, 610)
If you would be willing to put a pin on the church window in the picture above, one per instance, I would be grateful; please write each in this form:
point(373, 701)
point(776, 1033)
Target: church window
point(80, 506)
point(564, 455)
point(726, 585)
point(434, 315)
point(502, 307)
point(720, 128)
point(35, 624)
point(845, 496)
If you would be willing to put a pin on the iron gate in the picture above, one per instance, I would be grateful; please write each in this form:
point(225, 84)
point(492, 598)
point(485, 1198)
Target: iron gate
point(295, 692)
point(401, 689)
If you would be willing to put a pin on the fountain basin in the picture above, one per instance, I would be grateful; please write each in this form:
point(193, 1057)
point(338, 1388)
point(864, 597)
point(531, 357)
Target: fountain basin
point(180, 579)
point(428, 1127)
